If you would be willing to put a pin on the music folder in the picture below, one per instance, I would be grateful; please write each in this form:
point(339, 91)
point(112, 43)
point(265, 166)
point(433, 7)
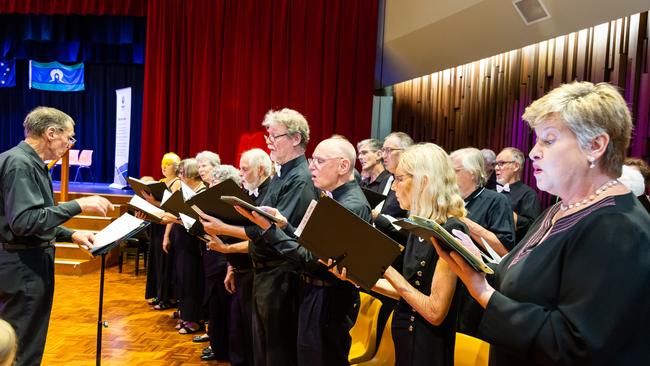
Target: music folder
point(209, 201)
point(156, 189)
point(236, 201)
point(122, 228)
point(426, 228)
point(153, 213)
point(374, 198)
point(334, 232)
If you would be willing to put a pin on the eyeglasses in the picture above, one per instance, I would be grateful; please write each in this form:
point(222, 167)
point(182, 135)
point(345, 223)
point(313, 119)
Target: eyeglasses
point(273, 138)
point(501, 163)
point(388, 150)
point(318, 162)
point(71, 139)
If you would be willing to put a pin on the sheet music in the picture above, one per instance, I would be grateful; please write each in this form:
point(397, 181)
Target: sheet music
point(165, 197)
point(145, 206)
point(187, 221)
point(117, 230)
point(187, 191)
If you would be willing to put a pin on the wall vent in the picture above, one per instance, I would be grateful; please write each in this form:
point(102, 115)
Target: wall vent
point(531, 11)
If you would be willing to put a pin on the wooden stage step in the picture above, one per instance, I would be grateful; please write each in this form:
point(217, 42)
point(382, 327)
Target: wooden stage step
point(89, 223)
point(75, 267)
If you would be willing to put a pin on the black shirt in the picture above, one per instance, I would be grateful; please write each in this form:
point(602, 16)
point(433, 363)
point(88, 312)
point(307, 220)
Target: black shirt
point(525, 203)
point(243, 260)
point(350, 196)
point(492, 211)
point(28, 215)
point(378, 184)
point(290, 192)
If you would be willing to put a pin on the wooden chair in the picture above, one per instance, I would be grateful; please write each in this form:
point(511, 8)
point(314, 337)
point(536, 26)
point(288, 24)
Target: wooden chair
point(364, 331)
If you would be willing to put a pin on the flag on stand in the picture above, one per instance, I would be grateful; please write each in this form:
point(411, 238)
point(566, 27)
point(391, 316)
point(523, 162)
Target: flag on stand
point(7, 73)
point(55, 76)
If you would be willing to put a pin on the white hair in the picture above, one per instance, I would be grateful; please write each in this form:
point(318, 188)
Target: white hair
point(633, 180)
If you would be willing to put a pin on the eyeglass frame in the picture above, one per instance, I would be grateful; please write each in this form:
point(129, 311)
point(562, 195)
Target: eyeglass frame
point(400, 178)
point(71, 139)
point(501, 163)
point(389, 150)
point(273, 138)
point(318, 164)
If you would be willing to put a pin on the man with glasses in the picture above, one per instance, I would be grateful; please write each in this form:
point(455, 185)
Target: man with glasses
point(328, 306)
point(523, 199)
point(29, 226)
point(276, 283)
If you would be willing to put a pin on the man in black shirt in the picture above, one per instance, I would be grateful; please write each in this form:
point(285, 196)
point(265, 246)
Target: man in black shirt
point(29, 226)
point(328, 306)
point(255, 168)
point(523, 199)
point(275, 285)
point(374, 175)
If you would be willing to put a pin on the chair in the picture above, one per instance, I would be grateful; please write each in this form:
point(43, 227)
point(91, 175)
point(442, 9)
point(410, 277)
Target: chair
point(73, 158)
point(130, 245)
point(385, 355)
point(85, 161)
point(470, 351)
point(364, 331)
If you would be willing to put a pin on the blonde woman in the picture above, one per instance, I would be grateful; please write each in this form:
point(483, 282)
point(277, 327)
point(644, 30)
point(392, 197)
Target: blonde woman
point(424, 320)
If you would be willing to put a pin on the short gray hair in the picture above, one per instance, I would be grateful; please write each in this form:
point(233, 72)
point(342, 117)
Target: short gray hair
point(373, 144)
point(259, 158)
point(225, 172)
point(472, 161)
point(189, 169)
point(210, 157)
point(403, 140)
point(489, 156)
point(293, 121)
point(589, 110)
point(517, 155)
point(42, 118)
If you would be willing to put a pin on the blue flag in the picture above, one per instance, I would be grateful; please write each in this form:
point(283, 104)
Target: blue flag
point(55, 76)
point(7, 73)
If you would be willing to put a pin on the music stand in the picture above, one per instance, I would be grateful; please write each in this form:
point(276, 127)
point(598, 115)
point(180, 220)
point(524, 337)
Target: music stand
point(101, 323)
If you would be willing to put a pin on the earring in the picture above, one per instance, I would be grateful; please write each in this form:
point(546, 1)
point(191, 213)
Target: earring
point(592, 162)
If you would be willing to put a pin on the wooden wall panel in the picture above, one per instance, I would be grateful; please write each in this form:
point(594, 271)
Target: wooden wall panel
point(480, 104)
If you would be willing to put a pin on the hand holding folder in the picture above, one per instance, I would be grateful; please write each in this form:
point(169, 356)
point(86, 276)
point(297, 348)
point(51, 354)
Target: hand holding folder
point(333, 232)
point(426, 228)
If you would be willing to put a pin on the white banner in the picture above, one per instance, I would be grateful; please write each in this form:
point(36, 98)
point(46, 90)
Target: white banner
point(122, 135)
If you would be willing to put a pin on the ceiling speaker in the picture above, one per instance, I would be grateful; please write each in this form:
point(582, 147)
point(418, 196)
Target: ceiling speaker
point(531, 11)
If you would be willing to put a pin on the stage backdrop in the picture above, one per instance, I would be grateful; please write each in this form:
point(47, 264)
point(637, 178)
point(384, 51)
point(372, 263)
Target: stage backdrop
point(112, 49)
point(214, 68)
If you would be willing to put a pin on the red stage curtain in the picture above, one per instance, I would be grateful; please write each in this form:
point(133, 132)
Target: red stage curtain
point(215, 67)
point(79, 7)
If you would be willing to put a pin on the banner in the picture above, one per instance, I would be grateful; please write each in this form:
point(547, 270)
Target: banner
point(7, 73)
point(122, 136)
point(54, 76)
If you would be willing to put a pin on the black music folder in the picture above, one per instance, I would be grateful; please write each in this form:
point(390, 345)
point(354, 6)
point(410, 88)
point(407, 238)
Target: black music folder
point(374, 198)
point(209, 201)
point(236, 201)
point(177, 206)
point(645, 202)
point(334, 232)
point(426, 228)
point(156, 189)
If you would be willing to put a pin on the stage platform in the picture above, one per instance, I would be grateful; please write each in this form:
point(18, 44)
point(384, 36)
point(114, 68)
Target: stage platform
point(91, 188)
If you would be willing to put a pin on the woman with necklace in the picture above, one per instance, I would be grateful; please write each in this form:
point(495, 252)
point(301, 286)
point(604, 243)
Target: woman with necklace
point(574, 291)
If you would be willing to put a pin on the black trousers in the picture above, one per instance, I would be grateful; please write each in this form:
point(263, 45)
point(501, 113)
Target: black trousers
point(241, 320)
point(218, 301)
point(325, 318)
point(26, 292)
point(275, 316)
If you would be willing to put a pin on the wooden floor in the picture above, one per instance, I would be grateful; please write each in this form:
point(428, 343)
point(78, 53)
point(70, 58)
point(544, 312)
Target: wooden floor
point(136, 335)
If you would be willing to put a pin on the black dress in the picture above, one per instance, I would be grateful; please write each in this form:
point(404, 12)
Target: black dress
point(580, 297)
point(418, 342)
point(159, 264)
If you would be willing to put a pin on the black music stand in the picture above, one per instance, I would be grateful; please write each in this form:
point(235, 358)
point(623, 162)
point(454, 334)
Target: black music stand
point(101, 323)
